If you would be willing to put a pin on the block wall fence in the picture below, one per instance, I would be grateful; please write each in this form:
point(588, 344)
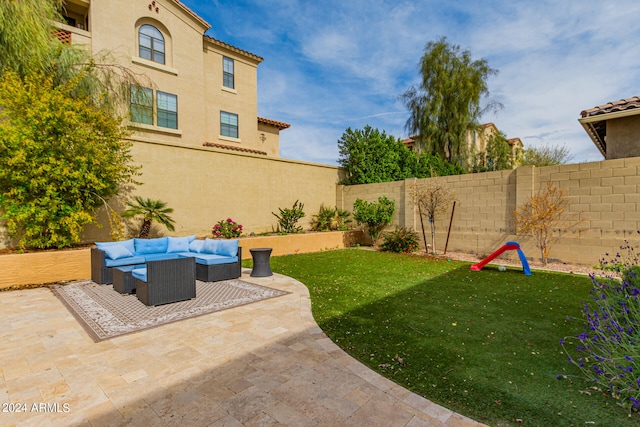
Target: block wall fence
point(606, 194)
point(204, 185)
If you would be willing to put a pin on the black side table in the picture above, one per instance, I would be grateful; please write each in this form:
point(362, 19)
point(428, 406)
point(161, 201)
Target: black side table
point(261, 262)
point(123, 281)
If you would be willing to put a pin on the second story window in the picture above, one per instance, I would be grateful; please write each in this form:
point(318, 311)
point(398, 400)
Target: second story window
point(141, 105)
point(227, 73)
point(167, 110)
point(151, 44)
point(228, 124)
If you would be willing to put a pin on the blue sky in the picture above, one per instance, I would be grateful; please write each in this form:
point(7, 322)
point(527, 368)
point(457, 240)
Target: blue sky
point(330, 65)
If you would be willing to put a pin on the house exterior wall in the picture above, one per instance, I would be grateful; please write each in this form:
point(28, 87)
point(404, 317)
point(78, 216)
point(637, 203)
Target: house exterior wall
point(623, 137)
point(192, 71)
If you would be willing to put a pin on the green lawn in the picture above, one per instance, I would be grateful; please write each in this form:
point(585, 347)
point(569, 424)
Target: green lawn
point(484, 344)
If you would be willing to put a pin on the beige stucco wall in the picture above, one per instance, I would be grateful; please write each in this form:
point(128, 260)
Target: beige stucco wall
point(192, 70)
point(623, 137)
point(607, 193)
point(206, 185)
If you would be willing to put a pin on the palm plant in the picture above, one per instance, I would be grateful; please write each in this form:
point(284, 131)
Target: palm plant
point(150, 210)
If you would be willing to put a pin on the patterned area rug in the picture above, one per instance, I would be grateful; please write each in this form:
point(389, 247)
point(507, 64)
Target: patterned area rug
point(104, 313)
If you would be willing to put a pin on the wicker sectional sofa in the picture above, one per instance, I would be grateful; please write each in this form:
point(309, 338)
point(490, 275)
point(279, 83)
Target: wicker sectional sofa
point(215, 259)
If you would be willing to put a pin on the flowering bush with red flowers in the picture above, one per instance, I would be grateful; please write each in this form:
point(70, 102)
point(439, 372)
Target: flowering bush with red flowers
point(227, 229)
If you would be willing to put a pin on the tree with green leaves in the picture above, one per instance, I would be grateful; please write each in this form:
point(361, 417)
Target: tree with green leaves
point(25, 34)
point(374, 216)
point(498, 155)
point(61, 157)
point(369, 155)
point(446, 103)
point(549, 155)
point(150, 211)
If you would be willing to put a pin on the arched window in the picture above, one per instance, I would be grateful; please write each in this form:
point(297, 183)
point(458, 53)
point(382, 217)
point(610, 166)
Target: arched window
point(151, 44)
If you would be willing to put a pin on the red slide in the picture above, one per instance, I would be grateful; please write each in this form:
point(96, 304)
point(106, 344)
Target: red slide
point(510, 246)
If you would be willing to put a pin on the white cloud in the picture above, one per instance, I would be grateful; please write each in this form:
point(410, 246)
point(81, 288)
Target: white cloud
point(333, 64)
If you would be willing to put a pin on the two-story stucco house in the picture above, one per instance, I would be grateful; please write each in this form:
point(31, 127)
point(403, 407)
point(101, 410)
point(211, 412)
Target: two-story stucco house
point(201, 91)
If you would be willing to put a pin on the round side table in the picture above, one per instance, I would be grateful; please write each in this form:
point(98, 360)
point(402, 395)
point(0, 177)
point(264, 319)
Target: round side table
point(261, 262)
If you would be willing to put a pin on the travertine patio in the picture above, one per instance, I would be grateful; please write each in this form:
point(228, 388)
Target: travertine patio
point(262, 364)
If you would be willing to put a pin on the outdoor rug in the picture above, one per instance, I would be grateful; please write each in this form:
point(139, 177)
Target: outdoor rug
point(104, 313)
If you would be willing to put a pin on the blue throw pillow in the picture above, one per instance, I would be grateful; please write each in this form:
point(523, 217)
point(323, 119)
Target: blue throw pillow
point(178, 244)
point(228, 248)
point(117, 252)
point(191, 238)
point(126, 243)
point(196, 246)
point(151, 246)
point(210, 246)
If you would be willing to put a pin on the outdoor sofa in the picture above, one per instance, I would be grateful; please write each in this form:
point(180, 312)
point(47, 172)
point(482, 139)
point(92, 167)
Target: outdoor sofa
point(215, 259)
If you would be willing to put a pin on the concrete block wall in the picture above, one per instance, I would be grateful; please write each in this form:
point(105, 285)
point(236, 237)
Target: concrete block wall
point(605, 194)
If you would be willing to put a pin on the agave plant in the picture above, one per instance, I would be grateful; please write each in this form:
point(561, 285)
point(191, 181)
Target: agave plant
point(150, 210)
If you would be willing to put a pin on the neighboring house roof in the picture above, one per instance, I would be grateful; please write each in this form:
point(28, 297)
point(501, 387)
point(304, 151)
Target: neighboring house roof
point(279, 125)
point(233, 48)
point(234, 148)
point(594, 120)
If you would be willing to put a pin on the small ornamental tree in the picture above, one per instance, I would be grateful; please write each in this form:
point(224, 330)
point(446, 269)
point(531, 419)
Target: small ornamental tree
point(545, 217)
point(150, 211)
point(61, 157)
point(374, 216)
point(432, 198)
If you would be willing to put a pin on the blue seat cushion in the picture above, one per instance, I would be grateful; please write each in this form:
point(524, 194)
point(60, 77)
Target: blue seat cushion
point(151, 246)
point(227, 248)
point(126, 243)
point(160, 256)
point(179, 244)
point(117, 252)
point(140, 273)
point(124, 261)
point(211, 259)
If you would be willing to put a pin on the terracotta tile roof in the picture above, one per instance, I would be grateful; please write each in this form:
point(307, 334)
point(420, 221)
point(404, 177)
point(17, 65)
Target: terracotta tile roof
point(233, 48)
point(279, 125)
point(234, 148)
point(612, 107)
point(596, 128)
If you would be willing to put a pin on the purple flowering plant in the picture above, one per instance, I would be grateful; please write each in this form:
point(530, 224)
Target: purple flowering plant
point(227, 229)
point(608, 351)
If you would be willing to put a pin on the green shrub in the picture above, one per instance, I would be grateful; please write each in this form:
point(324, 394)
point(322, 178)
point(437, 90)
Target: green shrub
point(402, 239)
point(288, 218)
point(61, 158)
point(329, 219)
point(374, 216)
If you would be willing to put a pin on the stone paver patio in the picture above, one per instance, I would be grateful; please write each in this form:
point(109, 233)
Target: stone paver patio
point(262, 364)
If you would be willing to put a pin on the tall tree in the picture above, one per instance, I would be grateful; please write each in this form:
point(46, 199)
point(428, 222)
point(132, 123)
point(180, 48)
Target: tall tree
point(446, 103)
point(368, 155)
point(25, 34)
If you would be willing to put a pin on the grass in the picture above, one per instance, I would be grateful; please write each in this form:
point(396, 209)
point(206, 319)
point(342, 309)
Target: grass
point(483, 344)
